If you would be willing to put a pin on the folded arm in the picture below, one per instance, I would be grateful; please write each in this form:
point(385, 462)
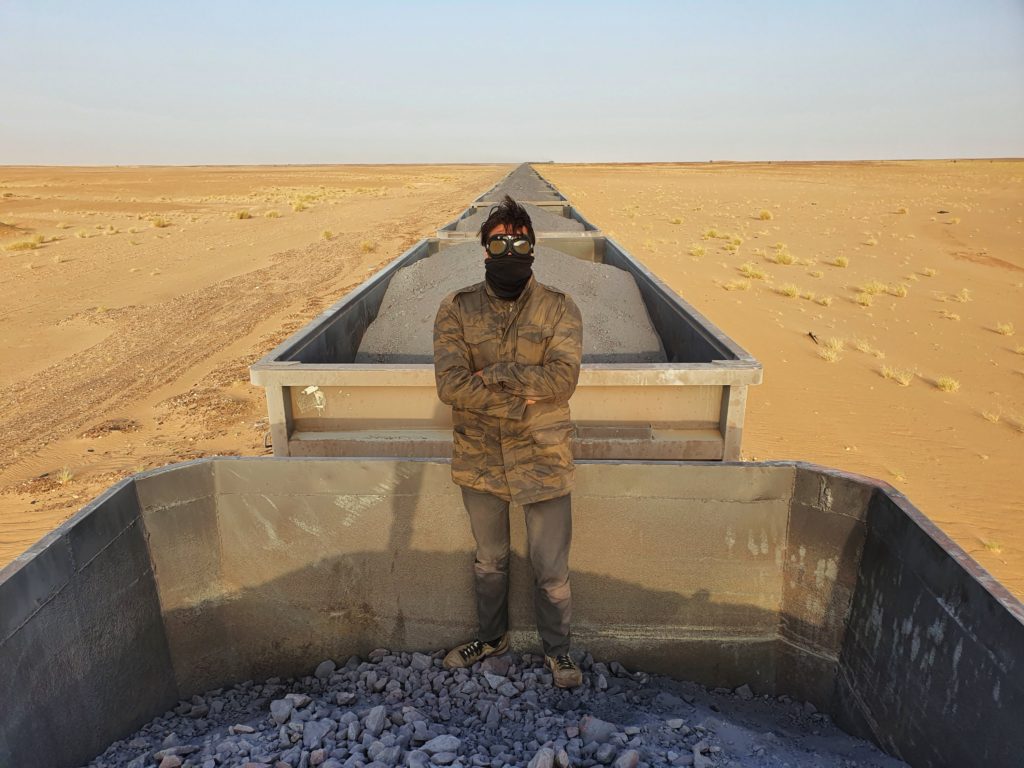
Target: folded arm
point(554, 379)
point(457, 385)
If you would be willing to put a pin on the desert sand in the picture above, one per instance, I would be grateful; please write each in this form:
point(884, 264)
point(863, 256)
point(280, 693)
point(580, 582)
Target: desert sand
point(937, 249)
point(126, 335)
point(126, 344)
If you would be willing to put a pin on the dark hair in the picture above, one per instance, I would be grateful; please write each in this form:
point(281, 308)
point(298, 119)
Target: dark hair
point(510, 213)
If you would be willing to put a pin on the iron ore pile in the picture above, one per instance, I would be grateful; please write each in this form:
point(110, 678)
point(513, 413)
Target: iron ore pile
point(401, 709)
point(616, 326)
point(522, 184)
point(542, 219)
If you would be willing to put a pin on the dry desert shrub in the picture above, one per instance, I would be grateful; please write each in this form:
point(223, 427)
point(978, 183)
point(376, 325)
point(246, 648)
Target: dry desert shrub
point(990, 417)
point(829, 355)
point(765, 215)
point(675, 220)
point(368, 246)
point(897, 289)
point(815, 273)
point(863, 299)
point(26, 245)
point(788, 290)
point(840, 261)
point(947, 384)
point(710, 234)
point(928, 272)
point(782, 257)
point(945, 314)
point(298, 206)
point(63, 225)
point(243, 214)
point(697, 250)
point(327, 234)
point(903, 209)
point(825, 301)
point(834, 344)
point(1019, 350)
point(871, 241)
point(159, 222)
point(862, 345)
point(272, 214)
point(751, 271)
point(65, 476)
point(737, 285)
point(992, 546)
point(1004, 329)
point(873, 287)
point(901, 377)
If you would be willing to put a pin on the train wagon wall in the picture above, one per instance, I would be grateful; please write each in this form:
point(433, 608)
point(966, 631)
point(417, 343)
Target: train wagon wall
point(790, 577)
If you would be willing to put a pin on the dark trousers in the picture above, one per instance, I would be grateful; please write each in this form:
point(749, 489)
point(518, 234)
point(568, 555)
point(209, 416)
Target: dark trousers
point(548, 533)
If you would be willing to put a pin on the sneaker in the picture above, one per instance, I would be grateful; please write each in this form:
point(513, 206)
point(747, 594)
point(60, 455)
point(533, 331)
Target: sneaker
point(468, 654)
point(564, 670)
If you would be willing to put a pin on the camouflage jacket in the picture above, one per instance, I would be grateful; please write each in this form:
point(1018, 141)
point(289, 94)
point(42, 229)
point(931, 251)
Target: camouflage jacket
point(526, 349)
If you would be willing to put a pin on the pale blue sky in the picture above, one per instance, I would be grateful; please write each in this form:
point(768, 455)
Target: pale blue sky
point(309, 82)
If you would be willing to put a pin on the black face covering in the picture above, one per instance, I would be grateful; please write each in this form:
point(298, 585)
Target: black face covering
point(508, 275)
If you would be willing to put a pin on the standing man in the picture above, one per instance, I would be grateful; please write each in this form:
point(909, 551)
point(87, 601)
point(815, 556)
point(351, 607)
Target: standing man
point(507, 357)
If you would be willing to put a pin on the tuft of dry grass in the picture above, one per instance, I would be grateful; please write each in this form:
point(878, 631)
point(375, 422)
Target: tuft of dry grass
point(840, 261)
point(26, 245)
point(788, 290)
point(1019, 350)
point(901, 377)
point(873, 287)
point(864, 299)
point(836, 345)
point(272, 214)
point(955, 220)
point(65, 476)
point(697, 250)
point(928, 272)
point(992, 546)
point(947, 384)
point(737, 285)
point(825, 301)
point(781, 256)
point(63, 225)
point(862, 345)
point(903, 209)
point(871, 241)
point(751, 271)
point(945, 314)
point(765, 215)
point(1004, 329)
point(327, 234)
point(897, 289)
point(815, 273)
point(710, 234)
point(243, 214)
point(675, 220)
point(159, 222)
point(990, 417)
point(963, 295)
point(368, 246)
point(298, 206)
point(829, 355)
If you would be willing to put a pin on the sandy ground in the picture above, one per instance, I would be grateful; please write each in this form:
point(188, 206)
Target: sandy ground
point(126, 345)
point(932, 288)
point(127, 333)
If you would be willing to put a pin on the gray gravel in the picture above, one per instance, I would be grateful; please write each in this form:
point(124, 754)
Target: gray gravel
point(404, 709)
point(616, 326)
point(542, 219)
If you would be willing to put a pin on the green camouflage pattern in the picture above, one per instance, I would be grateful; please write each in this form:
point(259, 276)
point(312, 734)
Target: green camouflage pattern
point(526, 349)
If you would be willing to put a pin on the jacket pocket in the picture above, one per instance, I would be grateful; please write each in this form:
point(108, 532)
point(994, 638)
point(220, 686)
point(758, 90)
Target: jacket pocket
point(532, 343)
point(483, 345)
point(469, 453)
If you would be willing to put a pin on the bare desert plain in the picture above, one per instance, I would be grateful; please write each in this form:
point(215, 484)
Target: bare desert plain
point(884, 299)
